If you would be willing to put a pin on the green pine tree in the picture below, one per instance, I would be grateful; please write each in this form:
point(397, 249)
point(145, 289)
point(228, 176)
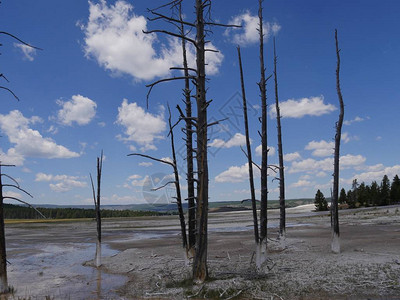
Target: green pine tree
point(320, 202)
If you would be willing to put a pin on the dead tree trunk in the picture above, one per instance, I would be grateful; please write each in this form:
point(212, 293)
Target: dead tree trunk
point(96, 199)
point(178, 197)
point(282, 207)
point(248, 154)
point(178, 189)
point(189, 147)
point(200, 271)
point(335, 213)
point(262, 248)
point(3, 255)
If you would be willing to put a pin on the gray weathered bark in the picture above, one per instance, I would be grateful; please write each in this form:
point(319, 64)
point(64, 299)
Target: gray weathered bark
point(200, 271)
point(189, 147)
point(261, 250)
point(3, 255)
point(282, 207)
point(248, 154)
point(96, 199)
point(335, 213)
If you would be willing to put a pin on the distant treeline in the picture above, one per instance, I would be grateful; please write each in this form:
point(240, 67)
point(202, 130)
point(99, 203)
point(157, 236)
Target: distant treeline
point(361, 194)
point(23, 212)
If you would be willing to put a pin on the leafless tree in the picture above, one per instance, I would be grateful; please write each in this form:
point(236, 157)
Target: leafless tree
point(96, 199)
point(262, 246)
point(200, 123)
point(176, 182)
point(335, 195)
point(189, 144)
point(282, 208)
point(248, 152)
point(3, 253)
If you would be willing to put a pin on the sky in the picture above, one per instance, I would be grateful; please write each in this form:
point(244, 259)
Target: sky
point(85, 92)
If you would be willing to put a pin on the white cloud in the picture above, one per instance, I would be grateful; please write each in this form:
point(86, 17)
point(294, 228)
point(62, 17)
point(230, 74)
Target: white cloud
point(291, 156)
point(234, 174)
point(114, 37)
point(145, 164)
point(302, 183)
point(141, 127)
point(271, 150)
point(313, 106)
point(61, 183)
point(27, 51)
point(326, 165)
point(355, 120)
point(79, 109)
point(248, 33)
point(321, 148)
point(237, 140)
point(27, 141)
point(375, 175)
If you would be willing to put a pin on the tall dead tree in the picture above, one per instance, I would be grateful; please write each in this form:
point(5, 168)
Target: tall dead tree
point(282, 207)
point(3, 252)
point(200, 122)
point(176, 182)
point(189, 144)
point(262, 248)
point(96, 199)
point(248, 152)
point(335, 195)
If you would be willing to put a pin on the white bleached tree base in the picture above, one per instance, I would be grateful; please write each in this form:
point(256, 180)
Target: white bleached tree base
point(3, 284)
point(98, 254)
point(261, 254)
point(282, 240)
point(335, 245)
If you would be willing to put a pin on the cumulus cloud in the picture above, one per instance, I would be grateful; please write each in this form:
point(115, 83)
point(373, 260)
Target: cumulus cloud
point(237, 140)
point(302, 183)
point(79, 109)
point(234, 174)
point(28, 142)
point(61, 183)
point(355, 120)
point(321, 148)
point(114, 38)
point(375, 173)
point(28, 52)
point(291, 156)
point(326, 165)
point(248, 33)
point(298, 108)
point(140, 126)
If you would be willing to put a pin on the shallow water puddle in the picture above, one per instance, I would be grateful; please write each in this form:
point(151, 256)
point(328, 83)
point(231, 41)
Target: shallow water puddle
point(56, 270)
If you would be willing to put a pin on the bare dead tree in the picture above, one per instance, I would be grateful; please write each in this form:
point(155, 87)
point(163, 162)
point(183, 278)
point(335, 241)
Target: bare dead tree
point(200, 270)
point(335, 195)
point(262, 247)
point(282, 207)
point(3, 253)
point(96, 199)
point(189, 145)
point(176, 182)
point(248, 153)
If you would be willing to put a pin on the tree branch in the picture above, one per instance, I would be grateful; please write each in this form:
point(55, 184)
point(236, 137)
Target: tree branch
point(153, 158)
point(30, 205)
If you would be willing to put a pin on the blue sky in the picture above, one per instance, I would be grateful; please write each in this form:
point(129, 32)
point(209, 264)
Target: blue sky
point(86, 92)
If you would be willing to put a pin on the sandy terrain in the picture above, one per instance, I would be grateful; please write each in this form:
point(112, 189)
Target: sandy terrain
point(142, 258)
